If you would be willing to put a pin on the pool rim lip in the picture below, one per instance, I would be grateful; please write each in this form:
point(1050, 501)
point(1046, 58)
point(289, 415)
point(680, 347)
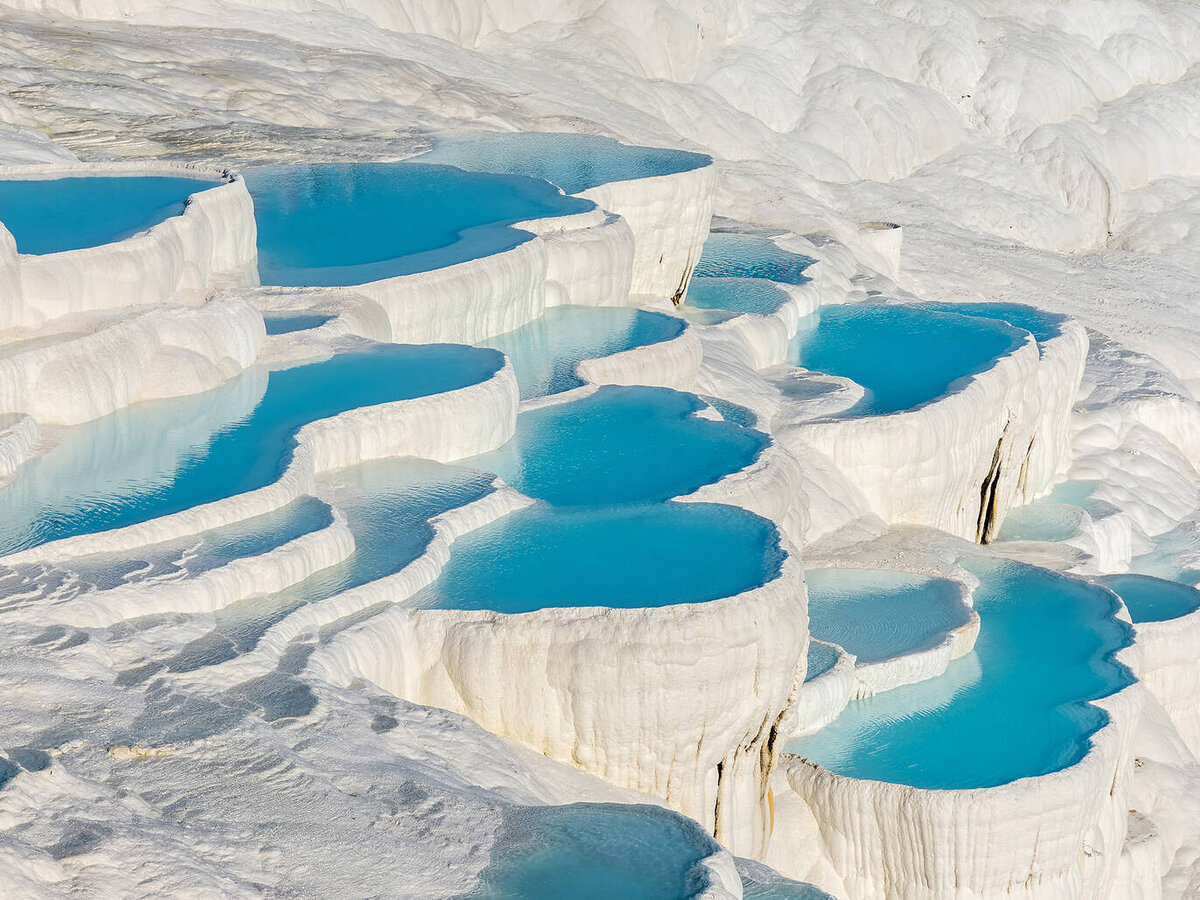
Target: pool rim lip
point(221, 176)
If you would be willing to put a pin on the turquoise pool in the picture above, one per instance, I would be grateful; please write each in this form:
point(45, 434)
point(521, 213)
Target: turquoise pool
point(709, 298)
point(286, 323)
point(621, 445)
point(1015, 707)
point(574, 162)
point(595, 851)
point(821, 658)
point(729, 254)
point(352, 223)
point(628, 557)
point(877, 614)
point(115, 471)
point(545, 352)
point(50, 215)
point(903, 356)
point(1041, 324)
point(1153, 599)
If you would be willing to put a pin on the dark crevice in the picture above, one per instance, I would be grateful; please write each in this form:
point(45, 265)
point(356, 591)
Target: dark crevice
point(717, 804)
point(986, 527)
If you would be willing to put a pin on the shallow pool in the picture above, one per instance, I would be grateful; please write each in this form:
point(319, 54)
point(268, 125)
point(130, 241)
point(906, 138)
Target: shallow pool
point(877, 614)
point(1041, 324)
point(903, 356)
point(545, 352)
point(51, 215)
point(352, 223)
point(621, 445)
point(574, 162)
point(735, 255)
point(821, 658)
point(1153, 599)
point(623, 557)
point(1014, 707)
point(732, 295)
point(286, 322)
point(161, 457)
point(595, 851)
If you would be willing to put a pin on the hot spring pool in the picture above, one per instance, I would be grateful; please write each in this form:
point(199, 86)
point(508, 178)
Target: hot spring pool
point(545, 352)
point(714, 300)
point(878, 614)
point(1015, 707)
point(1153, 599)
point(621, 445)
point(1041, 324)
point(161, 457)
point(735, 255)
point(574, 162)
point(352, 223)
point(50, 215)
point(903, 356)
point(287, 322)
point(595, 851)
point(620, 557)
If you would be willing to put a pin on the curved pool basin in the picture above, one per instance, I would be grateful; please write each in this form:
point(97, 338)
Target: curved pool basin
point(116, 471)
point(545, 352)
point(903, 356)
point(710, 297)
point(629, 557)
point(1015, 707)
point(1153, 599)
point(573, 162)
point(352, 223)
point(52, 215)
point(730, 254)
point(289, 322)
point(621, 445)
point(1041, 324)
point(821, 658)
point(878, 614)
point(595, 851)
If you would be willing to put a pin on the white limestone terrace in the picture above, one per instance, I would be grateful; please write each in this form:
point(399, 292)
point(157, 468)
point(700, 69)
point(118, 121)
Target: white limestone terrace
point(998, 138)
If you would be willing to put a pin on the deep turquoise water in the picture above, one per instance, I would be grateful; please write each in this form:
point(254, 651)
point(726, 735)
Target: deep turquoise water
point(352, 223)
point(623, 557)
point(903, 356)
point(55, 214)
point(621, 445)
point(574, 162)
point(821, 658)
point(1014, 707)
point(734, 295)
point(286, 323)
point(545, 352)
point(878, 614)
point(113, 472)
point(1153, 599)
point(731, 255)
point(1041, 324)
point(595, 851)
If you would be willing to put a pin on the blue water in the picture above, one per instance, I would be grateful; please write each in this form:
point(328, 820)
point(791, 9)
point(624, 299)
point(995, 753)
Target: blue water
point(821, 658)
point(1041, 521)
point(620, 445)
point(734, 295)
point(730, 255)
point(545, 352)
point(903, 356)
point(624, 557)
point(388, 506)
point(595, 851)
point(877, 614)
point(286, 323)
point(1153, 599)
point(352, 223)
point(1014, 707)
point(1041, 324)
point(731, 412)
point(574, 162)
point(84, 486)
point(55, 214)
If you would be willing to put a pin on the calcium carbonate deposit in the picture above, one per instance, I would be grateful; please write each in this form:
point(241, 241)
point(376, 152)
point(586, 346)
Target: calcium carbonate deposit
point(637, 449)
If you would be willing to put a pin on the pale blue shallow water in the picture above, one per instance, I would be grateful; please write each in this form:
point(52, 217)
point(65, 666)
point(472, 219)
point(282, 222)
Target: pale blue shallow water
point(620, 445)
point(732, 295)
point(623, 557)
point(1153, 599)
point(574, 162)
point(286, 323)
point(903, 356)
point(1014, 707)
point(114, 472)
point(732, 255)
point(877, 614)
point(821, 658)
point(55, 214)
point(352, 223)
point(1041, 324)
point(545, 352)
point(595, 851)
